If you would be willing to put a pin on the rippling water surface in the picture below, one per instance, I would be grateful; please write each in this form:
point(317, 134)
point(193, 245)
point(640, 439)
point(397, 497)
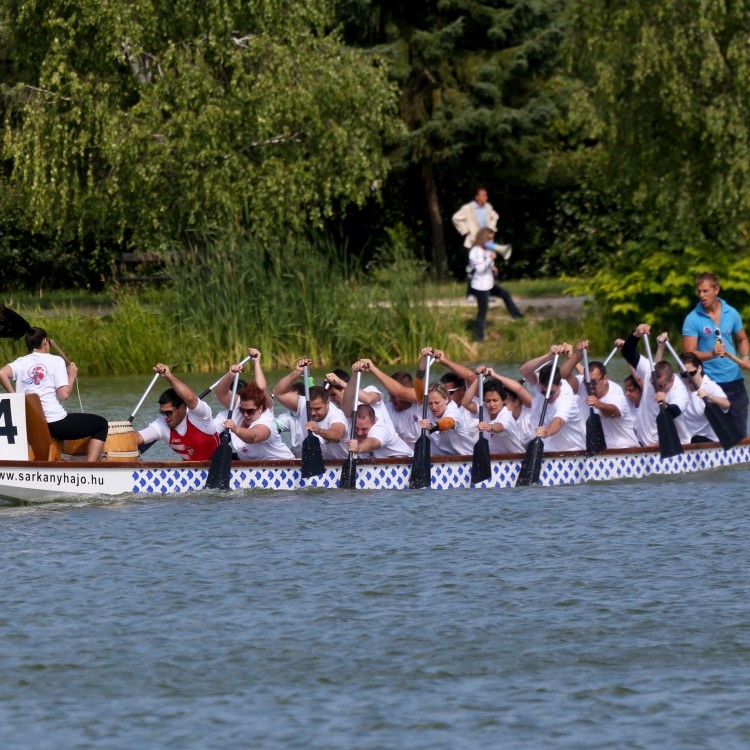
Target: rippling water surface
point(609, 615)
point(606, 616)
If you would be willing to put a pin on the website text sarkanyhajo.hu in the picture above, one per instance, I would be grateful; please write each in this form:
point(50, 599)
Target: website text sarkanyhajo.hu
point(43, 477)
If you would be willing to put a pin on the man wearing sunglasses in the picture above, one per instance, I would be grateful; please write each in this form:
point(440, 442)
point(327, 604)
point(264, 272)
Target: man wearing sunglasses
point(714, 326)
point(700, 387)
point(185, 423)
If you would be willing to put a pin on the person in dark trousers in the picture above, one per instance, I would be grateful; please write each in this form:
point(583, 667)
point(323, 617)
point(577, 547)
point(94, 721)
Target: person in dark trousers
point(483, 273)
point(711, 330)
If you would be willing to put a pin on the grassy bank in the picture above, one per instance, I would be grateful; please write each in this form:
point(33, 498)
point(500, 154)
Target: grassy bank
point(296, 297)
point(126, 333)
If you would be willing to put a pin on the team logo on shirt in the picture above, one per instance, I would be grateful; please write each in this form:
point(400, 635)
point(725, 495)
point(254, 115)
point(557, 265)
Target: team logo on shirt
point(707, 330)
point(36, 374)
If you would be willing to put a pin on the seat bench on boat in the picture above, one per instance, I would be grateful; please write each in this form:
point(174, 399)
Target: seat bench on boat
point(42, 446)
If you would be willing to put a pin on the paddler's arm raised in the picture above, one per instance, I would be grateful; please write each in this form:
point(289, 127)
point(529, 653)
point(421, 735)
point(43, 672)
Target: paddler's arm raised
point(459, 370)
point(468, 400)
point(223, 390)
point(630, 347)
point(514, 386)
point(184, 391)
point(260, 376)
point(419, 384)
point(569, 367)
point(529, 369)
point(283, 391)
point(394, 388)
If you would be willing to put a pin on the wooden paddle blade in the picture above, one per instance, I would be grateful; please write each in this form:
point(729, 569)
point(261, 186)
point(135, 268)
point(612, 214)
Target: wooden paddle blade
point(723, 426)
point(220, 470)
point(531, 466)
point(481, 466)
point(312, 457)
point(669, 440)
point(420, 465)
point(348, 479)
point(12, 325)
point(595, 440)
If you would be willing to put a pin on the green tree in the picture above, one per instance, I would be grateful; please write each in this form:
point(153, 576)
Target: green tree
point(139, 121)
point(665, 97)
point(477, 91)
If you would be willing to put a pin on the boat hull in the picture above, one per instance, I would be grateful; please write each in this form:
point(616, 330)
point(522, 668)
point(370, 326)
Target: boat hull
point(44, 481)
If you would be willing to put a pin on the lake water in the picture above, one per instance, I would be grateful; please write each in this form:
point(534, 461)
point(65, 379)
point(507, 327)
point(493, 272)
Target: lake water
point(602, 616)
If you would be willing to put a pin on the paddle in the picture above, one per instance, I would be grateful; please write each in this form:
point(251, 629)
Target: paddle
point(721, 423)
point(210, 388)
point(201, 396)
point(13, 326)
point(531, 466)
point(420, 463)
point(481, 468)
point(143, 398)
point(220, 470)
point(312, 454)
point(610, 355)
point(348, 479)
point(595, 440)
point(669, 440)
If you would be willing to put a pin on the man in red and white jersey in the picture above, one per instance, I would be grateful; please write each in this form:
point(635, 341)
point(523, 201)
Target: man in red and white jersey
point(185, 423)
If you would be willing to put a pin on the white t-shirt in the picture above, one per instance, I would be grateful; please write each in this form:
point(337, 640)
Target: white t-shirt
point(480, 262)
point(694, 417)
point(461, 439)
point(273, 447)
point(379, 406)
point(199, 417)
point(509, 440)
point(42, 374)
point(390, 443)
point(526, 430)
point(406, 422)
point(288, 422)
point(619, 432)
point(572, 436)
point(646, 413)
point(334, 416)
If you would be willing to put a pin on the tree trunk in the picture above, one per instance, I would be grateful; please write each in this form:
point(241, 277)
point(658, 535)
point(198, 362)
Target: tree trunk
point(437, 233)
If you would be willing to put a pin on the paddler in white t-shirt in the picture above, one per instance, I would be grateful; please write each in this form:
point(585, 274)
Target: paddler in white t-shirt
point(327, 421)
point(563, 429)
point(402, 407)
point(375, 438)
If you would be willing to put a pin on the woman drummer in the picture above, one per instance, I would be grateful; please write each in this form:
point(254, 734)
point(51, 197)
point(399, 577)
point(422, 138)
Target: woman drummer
point(48, 376)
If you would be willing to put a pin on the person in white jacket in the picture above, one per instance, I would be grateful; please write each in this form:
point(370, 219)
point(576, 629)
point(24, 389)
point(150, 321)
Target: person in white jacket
point(473, 216)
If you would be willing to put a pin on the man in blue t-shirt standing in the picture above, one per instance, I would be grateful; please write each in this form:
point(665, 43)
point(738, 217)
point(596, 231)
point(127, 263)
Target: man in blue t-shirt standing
point(712, 322)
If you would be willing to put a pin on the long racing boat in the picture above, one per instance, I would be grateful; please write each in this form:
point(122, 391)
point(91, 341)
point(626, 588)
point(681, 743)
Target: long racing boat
point(33, 469)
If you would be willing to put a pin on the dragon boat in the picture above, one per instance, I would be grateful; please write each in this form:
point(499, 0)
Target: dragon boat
point(35, 468)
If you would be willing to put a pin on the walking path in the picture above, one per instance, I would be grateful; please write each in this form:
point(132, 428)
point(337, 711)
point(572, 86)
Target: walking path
point(537, 307)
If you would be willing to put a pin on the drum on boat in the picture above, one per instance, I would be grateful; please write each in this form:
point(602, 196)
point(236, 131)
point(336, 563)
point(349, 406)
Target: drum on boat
point(119, 446)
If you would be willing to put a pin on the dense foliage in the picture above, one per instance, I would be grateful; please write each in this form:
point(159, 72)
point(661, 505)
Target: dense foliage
point(137, 123)
point(612, 137)
point(478, 99)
